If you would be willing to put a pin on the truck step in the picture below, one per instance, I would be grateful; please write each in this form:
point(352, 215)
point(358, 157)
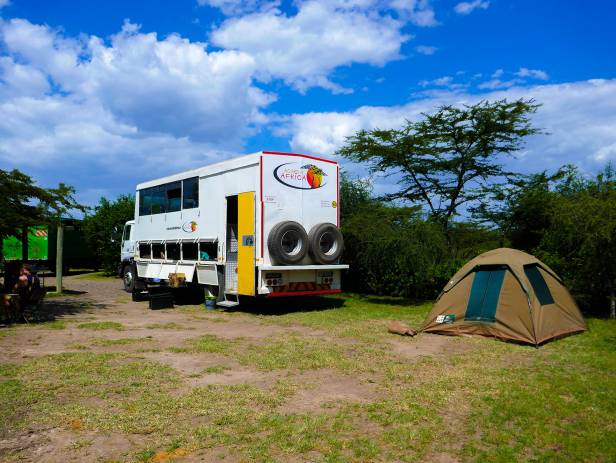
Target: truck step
point(227, 303)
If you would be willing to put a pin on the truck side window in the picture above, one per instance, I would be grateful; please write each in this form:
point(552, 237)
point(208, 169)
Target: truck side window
point(145, 201)
point(189, 251)
point(158, 251)
point(208, 250)
point(174, 196)
point(145, 251)
point(173, 251)
point(159, 199)
point(190, 196)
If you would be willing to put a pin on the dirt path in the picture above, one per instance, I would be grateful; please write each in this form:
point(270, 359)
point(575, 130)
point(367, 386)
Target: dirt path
point(102, 318)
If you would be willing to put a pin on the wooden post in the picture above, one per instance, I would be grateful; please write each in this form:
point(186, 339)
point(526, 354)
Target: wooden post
point(59, 246)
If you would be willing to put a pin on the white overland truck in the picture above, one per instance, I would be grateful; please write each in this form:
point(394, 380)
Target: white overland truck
point(264, 224)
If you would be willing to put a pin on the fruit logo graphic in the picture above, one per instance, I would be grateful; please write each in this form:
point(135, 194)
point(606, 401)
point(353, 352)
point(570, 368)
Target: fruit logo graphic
point(314, 176)
point(300, 177)
point(190, 227)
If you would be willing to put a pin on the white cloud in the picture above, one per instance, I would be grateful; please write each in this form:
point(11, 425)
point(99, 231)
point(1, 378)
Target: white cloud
point(580, 118)
point(532, 73)
point(235, 7)
point(4, 3)
point(498, 73)
point(469, 7)
point(425, 49)
point(130, 109)
point(303, 49)
point(439, 82)
point(494, 84)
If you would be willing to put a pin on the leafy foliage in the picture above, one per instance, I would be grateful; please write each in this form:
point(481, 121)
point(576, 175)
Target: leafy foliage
point(103, 229)
point(449, 158)
point(394, 250)
point(569, 222)
point(580, 242)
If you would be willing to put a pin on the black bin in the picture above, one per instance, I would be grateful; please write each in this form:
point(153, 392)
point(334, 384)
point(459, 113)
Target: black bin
point(139, 296)
point(161, 301)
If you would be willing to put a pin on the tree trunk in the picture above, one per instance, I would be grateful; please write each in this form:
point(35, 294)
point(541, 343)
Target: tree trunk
point(24, 244)
point(612, 304)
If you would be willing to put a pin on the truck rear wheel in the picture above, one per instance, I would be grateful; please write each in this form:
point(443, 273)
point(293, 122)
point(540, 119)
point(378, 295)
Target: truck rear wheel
point(129, 277)
point(287, 243)
point(326, 243)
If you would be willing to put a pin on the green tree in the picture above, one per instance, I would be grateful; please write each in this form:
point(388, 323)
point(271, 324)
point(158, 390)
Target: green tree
point(580, 242)
point(523, 210)
point(394, 250)
point(23, 203)
point(449, 158)
point(103, 229)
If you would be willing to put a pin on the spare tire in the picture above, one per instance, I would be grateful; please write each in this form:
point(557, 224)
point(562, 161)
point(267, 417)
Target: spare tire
point(287, 243)
point(326, 243)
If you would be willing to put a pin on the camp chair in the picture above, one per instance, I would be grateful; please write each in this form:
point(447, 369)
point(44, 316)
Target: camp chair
point(33, 307)
point(10, 313)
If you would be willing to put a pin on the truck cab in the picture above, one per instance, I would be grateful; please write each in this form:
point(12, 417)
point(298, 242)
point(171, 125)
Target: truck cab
point(127, 251)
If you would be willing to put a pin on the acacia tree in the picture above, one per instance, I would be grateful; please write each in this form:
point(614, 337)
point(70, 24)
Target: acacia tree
point(23, 203)
point(449, 158)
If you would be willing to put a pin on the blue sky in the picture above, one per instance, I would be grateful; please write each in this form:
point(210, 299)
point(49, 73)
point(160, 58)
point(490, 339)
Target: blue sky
point(103, 95)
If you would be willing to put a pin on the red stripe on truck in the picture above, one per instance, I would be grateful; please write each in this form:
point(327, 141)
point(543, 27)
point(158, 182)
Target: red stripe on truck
point(262, 204)
point(305, 293)
point(299, 155)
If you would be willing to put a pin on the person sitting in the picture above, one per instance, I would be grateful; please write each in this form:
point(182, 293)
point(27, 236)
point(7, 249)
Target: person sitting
point(26, 284)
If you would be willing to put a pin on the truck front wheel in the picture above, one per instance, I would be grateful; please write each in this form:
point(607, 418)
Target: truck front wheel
point(129, 277)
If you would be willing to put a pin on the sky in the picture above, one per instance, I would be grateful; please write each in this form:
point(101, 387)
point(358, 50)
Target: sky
point(104, 95)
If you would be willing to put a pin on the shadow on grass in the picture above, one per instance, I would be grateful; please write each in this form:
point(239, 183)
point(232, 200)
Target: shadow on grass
point(390, 300)
point(285, 305)
point(51, 309)
point(66, 292)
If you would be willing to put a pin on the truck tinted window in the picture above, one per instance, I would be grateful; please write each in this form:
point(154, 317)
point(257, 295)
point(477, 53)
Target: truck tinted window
point(174, 196)
point(144, 202)
point(190, 195)
point(170, 197)
point(159, 199)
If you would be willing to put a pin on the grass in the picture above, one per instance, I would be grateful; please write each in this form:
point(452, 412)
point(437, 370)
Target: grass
point(119, 342)
point(97, 276)
point(482, 401)
point(101, 326)
point(167, 326)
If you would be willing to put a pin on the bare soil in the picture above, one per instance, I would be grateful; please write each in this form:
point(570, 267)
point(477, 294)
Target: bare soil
point(155, 332)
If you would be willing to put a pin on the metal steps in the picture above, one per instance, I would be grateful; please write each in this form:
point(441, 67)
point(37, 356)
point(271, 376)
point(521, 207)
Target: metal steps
point(230, 300)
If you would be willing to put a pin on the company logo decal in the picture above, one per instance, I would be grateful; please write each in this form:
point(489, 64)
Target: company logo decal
point(294, 175)
point(190, 227)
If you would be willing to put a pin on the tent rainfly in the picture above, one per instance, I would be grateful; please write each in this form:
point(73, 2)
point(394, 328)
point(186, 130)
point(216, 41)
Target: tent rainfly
point(506, 294)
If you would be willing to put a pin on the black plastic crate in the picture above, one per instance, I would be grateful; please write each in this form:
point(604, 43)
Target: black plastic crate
point(161, 301)
point(140, 296)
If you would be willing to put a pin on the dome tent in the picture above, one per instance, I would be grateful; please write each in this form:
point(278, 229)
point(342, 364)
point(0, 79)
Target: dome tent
point(506, 294)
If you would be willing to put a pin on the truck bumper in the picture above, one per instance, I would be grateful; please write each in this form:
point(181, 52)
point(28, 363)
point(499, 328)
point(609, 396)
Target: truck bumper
point(299, 280)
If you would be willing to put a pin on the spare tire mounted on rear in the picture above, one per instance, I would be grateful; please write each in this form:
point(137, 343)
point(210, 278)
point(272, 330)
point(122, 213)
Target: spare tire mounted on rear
point(325, 243)
point(287, 243)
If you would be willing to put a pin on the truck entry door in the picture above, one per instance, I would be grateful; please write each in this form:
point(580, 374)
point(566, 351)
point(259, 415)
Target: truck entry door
point(246, 243)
